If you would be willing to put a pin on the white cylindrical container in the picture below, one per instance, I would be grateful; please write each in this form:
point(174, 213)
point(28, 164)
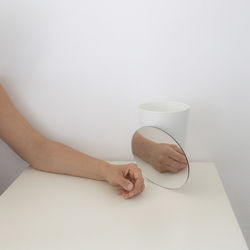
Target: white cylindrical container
point(172, 117)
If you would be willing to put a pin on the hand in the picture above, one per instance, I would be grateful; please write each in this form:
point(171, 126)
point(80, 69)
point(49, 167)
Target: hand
point(167, 158)
point(129, 179)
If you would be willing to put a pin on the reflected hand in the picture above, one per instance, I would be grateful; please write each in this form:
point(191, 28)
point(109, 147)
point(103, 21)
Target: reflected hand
point(167, 158)
point(129, 179)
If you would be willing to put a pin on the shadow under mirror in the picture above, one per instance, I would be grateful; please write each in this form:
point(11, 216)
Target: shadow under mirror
point(160, 157)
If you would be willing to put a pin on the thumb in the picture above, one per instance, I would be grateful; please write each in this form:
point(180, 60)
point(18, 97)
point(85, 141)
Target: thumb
point(125, 183)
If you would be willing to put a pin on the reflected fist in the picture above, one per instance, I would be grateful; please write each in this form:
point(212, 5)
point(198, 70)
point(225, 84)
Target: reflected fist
point(167, 158)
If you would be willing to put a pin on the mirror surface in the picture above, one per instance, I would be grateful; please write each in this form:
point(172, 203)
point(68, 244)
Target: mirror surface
point(160, 157)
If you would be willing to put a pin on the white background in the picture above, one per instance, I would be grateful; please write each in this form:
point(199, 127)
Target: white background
point(77, 70)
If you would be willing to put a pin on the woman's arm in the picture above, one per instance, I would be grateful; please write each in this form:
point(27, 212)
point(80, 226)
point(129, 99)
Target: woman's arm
point(47, 155)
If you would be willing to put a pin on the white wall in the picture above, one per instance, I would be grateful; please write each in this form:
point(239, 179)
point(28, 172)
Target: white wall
point(77, 70)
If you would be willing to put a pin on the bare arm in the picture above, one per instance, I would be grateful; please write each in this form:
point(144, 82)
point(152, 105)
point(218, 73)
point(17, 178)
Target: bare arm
point(41, 152)
point(142, 147)
point(47, 155)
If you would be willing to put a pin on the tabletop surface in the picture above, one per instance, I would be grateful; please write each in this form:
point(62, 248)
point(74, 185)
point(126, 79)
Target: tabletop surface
point(43, 211)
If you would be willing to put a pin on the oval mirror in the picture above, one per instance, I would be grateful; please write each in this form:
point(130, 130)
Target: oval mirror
point(160, 157)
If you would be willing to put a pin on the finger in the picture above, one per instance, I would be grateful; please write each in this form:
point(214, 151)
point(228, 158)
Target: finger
point(121, 191)
point(125, 194)
point(135, 173)
point(138, 185)
point(134, 192)
point(166, 168)
point(179, 150)
point(132, 173)
point(169, 162)
point(177, 156)
point(172, 170)
point(174, 164)
point(125, 183)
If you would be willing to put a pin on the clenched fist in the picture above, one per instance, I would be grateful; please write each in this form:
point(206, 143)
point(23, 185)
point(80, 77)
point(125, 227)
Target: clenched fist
point(128, 178)
point(161, 156)
point(167, 158)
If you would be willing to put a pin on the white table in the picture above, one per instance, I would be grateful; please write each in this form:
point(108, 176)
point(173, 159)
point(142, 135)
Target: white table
point(56, 212)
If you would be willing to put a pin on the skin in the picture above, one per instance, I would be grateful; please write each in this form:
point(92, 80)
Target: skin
point(51, 156)
point(161, 156)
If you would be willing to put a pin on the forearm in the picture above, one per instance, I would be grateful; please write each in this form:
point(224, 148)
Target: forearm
point(142, 147)
point(42, 153)
point(58, 158)
point(46, 155)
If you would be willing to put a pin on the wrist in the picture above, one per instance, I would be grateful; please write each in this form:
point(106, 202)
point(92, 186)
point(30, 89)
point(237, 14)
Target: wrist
point(147, 151)
point(106, 170)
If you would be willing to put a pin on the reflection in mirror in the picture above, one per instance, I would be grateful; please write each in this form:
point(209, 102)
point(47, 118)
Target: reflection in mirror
point(160, 157)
